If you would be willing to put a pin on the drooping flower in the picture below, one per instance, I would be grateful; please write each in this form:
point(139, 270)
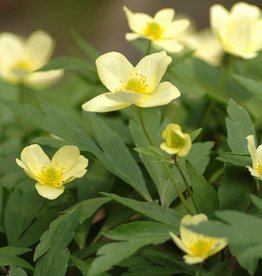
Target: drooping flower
point(139, 85)
point(161, 29)
point(176, 142)
point(197, 247)
point(256, 156)
point(51, 175)
point(240, 30)
point(20, 58)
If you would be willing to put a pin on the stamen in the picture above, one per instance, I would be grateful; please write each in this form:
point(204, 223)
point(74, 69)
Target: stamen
point(51, 176)
point(153, 30)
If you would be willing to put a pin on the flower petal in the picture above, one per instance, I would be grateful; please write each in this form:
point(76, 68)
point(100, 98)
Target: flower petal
point(251, 146)
point(175, 28)
point(164, 94)
point(25, 168)
point(137, 21)
point(41, 80)
point(219, 18)
point(38, 48)
point(179, 243)
point(11, 49)
point(193, 259)
point(49, 192)
point(65, 158)
point(164, 16)
point(153, 67)
point(78, 170)
point(132, 36)
point(34, 159)
point(113, 68)
point(111, 101)
point(245, 11)
point(170, 45)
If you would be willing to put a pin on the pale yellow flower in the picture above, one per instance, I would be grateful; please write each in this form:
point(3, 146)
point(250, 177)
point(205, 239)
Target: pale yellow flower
point(51, 175)
point(20, 58)
point(176, 142)
point(161, 29)
point(240, 30)
point(139, 85)
point(204, 44)
point(197, 247)
point(256, 156)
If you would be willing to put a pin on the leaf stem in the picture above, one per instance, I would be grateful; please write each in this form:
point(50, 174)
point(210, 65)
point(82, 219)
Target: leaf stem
point(167, 169)
point(176, 162)
point(149, 45)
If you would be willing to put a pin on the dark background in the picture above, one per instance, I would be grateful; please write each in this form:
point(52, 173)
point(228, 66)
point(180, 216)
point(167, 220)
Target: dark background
point(101, 22)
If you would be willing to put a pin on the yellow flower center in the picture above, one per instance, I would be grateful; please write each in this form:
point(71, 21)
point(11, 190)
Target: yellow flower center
point(175, 140)
point(153, 30)
point(136, 84)
point(259, 168)
point(201, 247)
point(51, 176)
point(21, 69)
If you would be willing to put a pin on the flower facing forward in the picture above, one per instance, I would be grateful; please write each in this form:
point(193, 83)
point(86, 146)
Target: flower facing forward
point(176, 142)
point(197, 247)
point(240, 30)
point(139, 85)
point(20, 58)
point(51, 175)
point(256, 156)
point(161, 29)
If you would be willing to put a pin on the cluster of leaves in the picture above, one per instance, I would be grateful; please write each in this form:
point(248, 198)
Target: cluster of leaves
point(116, 219)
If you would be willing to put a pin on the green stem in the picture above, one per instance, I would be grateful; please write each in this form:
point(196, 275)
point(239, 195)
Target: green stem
point(149, 45)
point(167, 169)
point(185, 181)
point(21, 95)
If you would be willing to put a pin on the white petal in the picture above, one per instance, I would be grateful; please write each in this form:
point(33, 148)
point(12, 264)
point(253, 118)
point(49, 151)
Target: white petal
point(219, 17)
point(132, 36)
point(257, 37)
point(35, 159)
point(44, 79)
point(164, 94)
point(113, 68)
point(164, 16)
point(38, 48)
point(111, 101)
point(11, 49)
point(251, 146)
point(137, 21)
point(49, 192)
point(254, 173)
point(65, 158)
point(170, 45)
point(153, 67)
point(25, 168)
point(175, 28)
point(78, 170)
point(245, 11)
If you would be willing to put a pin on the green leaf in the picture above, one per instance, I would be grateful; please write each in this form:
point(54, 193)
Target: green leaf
point(88, 207)
point(235, 187)
point(151, 210)
point(198, 156)
point(151, 119)
point(236, 159)
point(83, 266)
point(9, 256)
point(148, 231)
point(252, 86)
point(112, 254)
point(204, 194)
point(239, 126)
point(194, 134)
point(67, 63)
point(16, 271)
point(85, 46)
point(256, 201)
point(22, 208)
point(115, 155)
point(52, 247)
